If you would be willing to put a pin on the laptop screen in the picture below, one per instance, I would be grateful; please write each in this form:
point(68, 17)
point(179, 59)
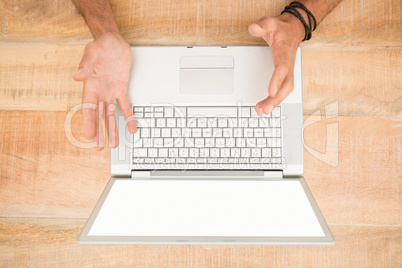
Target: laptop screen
point(207, 208)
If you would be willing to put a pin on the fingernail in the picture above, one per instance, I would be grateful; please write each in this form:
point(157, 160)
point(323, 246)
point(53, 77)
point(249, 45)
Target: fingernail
point(80, 70)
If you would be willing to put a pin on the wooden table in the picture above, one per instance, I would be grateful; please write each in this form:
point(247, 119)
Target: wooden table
point(48, 187)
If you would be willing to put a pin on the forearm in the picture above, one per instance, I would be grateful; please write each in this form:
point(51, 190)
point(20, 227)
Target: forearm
point(98, 16)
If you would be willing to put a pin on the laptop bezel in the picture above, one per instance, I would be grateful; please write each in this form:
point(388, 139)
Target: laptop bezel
point(328, 239)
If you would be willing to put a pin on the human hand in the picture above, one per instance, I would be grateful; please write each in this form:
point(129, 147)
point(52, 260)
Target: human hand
point(104, 69)
point(283, 34)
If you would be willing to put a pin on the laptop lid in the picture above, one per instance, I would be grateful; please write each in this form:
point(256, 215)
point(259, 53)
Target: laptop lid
point(210, 210)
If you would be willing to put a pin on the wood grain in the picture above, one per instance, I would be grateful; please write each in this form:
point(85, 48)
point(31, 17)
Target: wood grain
point(369, 22)
point(364, 81)
point(47, 184)
point(52, 242)
point(43, 175)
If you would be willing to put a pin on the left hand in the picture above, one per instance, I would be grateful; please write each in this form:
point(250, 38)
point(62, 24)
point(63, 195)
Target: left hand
point(283, 34)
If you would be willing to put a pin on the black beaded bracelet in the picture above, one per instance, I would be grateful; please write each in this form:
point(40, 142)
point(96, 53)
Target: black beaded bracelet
point(291, 8)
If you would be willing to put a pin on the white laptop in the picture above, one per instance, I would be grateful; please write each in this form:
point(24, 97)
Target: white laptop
point(203, 167)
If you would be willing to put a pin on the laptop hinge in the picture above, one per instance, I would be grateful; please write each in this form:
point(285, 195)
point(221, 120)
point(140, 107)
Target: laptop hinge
point(272, 174)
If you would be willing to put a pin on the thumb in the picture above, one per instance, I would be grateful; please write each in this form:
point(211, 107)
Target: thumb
point(86, 65)
point(256, 30)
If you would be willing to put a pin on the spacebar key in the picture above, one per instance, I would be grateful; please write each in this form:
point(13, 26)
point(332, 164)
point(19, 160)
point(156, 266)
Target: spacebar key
point(212, 111)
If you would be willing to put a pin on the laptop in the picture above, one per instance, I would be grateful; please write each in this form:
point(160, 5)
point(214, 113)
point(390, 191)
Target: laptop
point(203, 167)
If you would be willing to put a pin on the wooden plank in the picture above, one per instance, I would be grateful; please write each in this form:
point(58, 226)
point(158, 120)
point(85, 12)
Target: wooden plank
point(43, 175)
point(52, 242)
point(197, 22)
point(365, 81)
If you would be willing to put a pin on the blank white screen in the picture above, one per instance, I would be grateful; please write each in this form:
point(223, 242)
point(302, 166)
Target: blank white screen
point(206, 208)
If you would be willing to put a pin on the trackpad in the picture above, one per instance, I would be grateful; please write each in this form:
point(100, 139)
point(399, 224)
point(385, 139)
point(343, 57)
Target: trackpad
point(206, 75)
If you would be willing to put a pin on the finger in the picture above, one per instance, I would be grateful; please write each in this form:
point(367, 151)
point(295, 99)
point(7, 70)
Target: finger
point(87, 62)
point(127, 111)
point(100, 142)
point(89, 110)
point(270, 103)
point(278, 76)
point(264, 28)
point(256, 30)
point(111, 125)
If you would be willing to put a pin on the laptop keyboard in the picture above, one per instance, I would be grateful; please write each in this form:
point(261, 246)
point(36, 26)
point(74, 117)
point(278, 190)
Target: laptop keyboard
point(174, 137)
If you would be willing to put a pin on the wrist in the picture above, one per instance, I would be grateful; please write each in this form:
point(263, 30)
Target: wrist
point(297, 25)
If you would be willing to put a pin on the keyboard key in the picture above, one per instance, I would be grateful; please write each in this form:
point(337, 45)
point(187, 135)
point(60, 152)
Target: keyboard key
point(168, 111)
point(227, 132)
point(173, 152)
point(266, 152)
point(209, 142)
point(263, 122)
point(274, 122)
point(214, 152)
point(192, 122)
point(248, 132)
point(230, 142)
point(276, 152)
point(261, 142)
point(158, 115)
point(178, 142)
point(158, 109)
point(147, 142)
point(253, 122)
point(194, 152)
point(235, 152)
point(220, 142)
point(225, 152)
point(251, 142)
point(212, 111)
point(176, 132)
point(189, 142)
point(245, 152)
point(140, 152)
point(153, 152)
point(243, 122)
point(255, 152)
point(163, 152)
point(240, 142)
point(199, 142)
point(145, 133)
point(276, 112)
point(222, 122)
point(232, 122)
point(207, 132)
point(168, 142)
point(238, 132)
point(201, 122)
point(196, 132)
point(217, 132)
point(212, 122)
point(155, 132)
point(258, 132)
point(158, 142)
point(171, 122)
point(244, 111)
point(160, 122)
point(204, 152)
point(166, 133)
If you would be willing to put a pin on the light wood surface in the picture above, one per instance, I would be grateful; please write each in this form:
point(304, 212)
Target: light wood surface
point(48, 186)
point(53, 243)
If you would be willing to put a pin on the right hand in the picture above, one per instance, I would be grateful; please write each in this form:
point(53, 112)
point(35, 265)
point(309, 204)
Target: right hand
point(104, 69)
point(283, 34)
